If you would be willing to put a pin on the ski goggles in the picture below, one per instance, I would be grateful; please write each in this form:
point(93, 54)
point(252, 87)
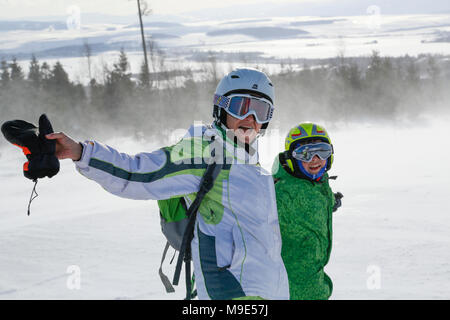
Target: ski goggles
point(307, 152)
point(241, 106)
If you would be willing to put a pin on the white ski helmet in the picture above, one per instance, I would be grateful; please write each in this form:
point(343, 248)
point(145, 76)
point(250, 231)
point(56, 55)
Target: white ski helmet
point(246, 81)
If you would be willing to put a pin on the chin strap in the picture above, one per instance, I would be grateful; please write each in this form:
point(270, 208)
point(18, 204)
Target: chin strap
point(315, 177)
point(33, 196)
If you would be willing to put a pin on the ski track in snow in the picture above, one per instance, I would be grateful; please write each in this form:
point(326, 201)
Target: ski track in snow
point(394, 220)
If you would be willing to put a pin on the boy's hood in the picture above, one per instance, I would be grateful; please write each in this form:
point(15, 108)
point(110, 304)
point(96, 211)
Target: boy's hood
point(278, 172)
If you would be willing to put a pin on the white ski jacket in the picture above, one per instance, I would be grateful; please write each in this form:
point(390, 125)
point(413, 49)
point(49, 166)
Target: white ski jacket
point(237, 243)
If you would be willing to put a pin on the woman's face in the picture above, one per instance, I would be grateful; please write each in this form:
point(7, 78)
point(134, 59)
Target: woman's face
point(245, 130)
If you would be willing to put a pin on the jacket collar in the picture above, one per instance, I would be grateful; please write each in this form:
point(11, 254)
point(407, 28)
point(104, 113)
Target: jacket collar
point(238, 151)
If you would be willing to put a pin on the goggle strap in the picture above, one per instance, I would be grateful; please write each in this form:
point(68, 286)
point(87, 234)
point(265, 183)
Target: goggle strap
point(221, 101)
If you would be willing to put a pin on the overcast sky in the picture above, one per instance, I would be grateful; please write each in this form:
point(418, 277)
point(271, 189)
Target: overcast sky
point(13, 9)
point(23, 8)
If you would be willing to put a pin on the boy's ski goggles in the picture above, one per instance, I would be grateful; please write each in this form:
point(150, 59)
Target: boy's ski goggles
point(242, 105)
point(307, 152)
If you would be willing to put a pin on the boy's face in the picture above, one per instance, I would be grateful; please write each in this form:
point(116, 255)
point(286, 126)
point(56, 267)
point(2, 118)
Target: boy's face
point(316, 164)
point(246, 129)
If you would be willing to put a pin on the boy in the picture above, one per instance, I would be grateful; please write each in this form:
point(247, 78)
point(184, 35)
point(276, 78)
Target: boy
point(305, 204)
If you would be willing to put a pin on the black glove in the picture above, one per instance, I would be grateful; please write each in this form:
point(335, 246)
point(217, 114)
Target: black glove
point(39, 151)
point(337, 201)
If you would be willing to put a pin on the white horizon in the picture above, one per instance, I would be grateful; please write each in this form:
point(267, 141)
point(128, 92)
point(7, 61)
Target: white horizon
point(27, 8)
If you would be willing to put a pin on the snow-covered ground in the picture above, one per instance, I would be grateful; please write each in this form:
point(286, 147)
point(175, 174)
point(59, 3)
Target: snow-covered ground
point(391, 238)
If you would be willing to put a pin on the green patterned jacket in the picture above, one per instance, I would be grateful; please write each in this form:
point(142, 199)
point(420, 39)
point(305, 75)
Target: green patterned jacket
point(305, 215)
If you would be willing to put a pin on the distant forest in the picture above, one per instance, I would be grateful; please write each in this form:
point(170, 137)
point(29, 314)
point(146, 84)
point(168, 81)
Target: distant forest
point(341, 89)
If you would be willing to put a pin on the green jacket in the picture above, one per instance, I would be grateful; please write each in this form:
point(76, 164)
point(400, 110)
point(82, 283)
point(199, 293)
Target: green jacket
point(305, 215)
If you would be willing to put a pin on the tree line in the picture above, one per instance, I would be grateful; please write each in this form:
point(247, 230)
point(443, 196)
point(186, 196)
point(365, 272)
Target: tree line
point(339, 89)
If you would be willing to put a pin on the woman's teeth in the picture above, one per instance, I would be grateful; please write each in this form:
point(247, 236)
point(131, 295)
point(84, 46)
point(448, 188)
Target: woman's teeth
point(245, 128)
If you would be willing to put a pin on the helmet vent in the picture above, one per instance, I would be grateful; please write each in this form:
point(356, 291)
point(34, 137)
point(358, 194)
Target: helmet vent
point(270, 84)
point(235, 76)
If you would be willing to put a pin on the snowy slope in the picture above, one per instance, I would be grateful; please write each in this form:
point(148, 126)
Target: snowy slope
point(395, 218)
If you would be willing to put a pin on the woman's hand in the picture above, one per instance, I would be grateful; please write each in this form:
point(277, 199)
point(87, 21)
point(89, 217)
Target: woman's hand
point(66, 147)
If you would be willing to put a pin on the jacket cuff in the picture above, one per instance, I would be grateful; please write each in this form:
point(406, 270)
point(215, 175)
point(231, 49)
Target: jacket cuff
point(85, 155)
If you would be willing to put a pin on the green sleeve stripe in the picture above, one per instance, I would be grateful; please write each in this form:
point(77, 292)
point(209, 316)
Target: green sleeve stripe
point(168, 169)
point(196, 167)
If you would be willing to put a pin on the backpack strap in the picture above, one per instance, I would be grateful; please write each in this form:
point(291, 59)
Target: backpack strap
point(164, 279)
point(187, 269)
point(206, 183)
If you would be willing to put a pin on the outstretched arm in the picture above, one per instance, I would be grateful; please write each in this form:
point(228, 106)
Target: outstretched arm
point(141, 176)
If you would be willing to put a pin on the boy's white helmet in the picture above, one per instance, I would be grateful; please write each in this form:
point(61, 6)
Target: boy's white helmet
point(246, 81)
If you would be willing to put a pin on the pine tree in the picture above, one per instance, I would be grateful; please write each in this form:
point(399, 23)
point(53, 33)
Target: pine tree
point(61, 92)
point(119, 76)
point(144, 76)
point(374, 70)
point(16, 71)
point(119, 86)
point(5, 76)
point(59, 76)
point(434, 72)
point(34, 74)
point(122, 66)
point(382, 86)
point(412, 73)
point(45, 71)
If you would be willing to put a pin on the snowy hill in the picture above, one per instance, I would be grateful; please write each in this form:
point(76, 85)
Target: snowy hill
point(278, 36)
point(188, 43)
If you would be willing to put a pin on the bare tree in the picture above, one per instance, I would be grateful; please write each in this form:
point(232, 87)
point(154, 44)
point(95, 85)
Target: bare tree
point(143, 10)
point(87, 52)
point(213, 70)
point(153, 47)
